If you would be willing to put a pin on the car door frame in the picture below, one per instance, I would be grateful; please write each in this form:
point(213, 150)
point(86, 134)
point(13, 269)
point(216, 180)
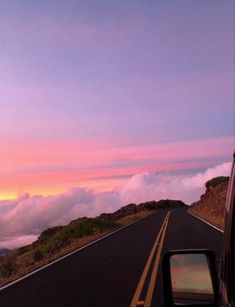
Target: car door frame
point(228, 266)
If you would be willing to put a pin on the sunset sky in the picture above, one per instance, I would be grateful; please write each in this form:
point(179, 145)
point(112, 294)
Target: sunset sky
point(94, 93)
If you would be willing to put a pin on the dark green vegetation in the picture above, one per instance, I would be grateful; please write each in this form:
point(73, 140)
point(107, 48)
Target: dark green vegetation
point(51, 240)
point(8, 265)
point(163, 204)
point(214, 182)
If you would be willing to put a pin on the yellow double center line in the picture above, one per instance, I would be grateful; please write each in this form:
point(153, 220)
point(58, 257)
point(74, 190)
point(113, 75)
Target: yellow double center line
point(156, 250)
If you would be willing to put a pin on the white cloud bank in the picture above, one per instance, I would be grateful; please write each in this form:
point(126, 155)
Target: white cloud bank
point(22, 220)
point(149, 186)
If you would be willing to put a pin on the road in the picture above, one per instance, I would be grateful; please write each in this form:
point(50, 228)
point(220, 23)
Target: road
point(117, 271)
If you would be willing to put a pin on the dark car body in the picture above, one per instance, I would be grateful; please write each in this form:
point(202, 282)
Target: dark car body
point(227, 275)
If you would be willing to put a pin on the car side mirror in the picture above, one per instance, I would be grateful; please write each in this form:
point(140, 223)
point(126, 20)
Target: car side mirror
point(190, 278)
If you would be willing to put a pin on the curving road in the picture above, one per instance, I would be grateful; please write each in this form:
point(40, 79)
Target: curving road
point(111, 272)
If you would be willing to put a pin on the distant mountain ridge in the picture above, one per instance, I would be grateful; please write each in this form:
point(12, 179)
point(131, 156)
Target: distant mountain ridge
point(133, 208)
point(163, 204)
point(4, 251)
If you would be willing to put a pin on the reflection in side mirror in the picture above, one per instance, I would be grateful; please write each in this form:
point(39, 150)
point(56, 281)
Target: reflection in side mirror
point(190, 278)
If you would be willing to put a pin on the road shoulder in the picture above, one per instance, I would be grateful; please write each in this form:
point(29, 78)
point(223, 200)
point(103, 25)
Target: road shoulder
point(205, 221)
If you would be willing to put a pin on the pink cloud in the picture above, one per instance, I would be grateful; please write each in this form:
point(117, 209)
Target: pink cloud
point(28, 215)
point(92, 152)
point(27, 165)
point(17, 241)
point(150, 186)
point(22, 219)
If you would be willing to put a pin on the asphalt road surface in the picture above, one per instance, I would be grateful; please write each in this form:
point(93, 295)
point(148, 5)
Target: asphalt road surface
point(121, 270)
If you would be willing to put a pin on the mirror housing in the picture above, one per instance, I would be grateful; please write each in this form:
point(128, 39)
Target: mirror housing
point(190, 278)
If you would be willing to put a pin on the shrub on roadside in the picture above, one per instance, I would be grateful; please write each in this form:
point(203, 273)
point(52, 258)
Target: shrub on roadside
point(72, 231)
point(8, 265)
point(23, 250)
point(46, 234)
point(214, 182)
point(37, 255)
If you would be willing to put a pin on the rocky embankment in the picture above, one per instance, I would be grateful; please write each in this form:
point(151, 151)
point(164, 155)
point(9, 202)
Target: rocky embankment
point(211, 205)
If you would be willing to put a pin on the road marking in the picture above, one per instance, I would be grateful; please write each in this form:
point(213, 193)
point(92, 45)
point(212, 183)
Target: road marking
point(158, 244)
point(69, 254)
point(144, 274)
point(205, 221)
point(149, 295)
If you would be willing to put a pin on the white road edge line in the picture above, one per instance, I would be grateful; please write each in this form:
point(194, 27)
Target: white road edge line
point(205, 222)
point(69, 254)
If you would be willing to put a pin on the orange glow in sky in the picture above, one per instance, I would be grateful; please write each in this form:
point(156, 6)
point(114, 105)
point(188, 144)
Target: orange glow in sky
point(51, 168)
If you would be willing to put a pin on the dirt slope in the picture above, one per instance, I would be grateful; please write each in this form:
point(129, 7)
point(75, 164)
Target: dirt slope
point(211, 205)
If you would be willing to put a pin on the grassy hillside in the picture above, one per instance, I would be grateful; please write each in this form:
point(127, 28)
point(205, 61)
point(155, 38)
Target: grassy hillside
point(211, 205)
point(60, 240)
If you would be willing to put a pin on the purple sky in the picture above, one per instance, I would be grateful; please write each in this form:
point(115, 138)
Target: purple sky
point(109, 102)
point(114, 74)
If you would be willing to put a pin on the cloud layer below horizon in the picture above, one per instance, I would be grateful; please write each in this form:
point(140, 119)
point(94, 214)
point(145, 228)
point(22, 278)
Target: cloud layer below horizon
point(23, 219)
